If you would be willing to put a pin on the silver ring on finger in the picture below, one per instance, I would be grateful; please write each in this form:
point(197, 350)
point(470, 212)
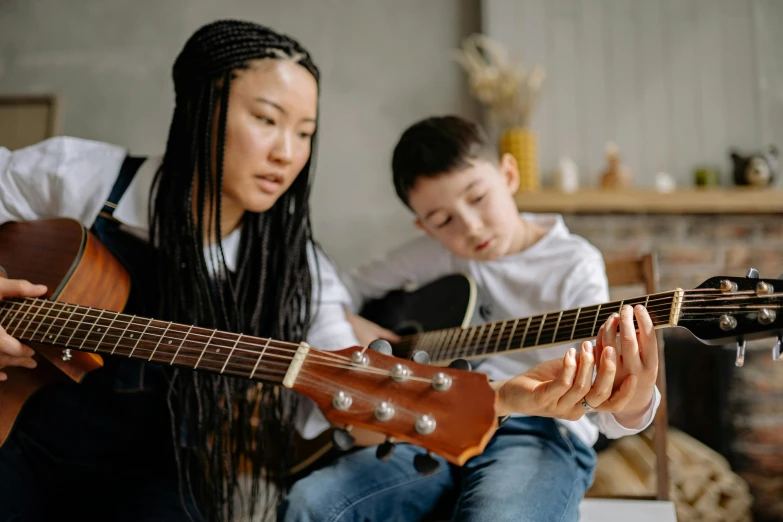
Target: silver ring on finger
point(587, 406)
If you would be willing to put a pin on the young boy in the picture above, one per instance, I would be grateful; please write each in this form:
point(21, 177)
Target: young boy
point(536, 467)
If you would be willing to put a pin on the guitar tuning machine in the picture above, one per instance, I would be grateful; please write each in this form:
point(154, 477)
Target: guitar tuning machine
point(381, 346)
point(776, 349)
point(343, 439)
point(425, 464)
point(740, 360)
point(385, 450)
point(752, 274)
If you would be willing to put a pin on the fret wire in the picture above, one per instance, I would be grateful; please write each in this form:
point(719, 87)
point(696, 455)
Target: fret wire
point(595, 322)
point(461, 342)
point(21, 305)
point(54, 321)
point(540, 328)
point(106, 331)
point(231, 353)
point(575, 322)
point(43, 321)
point(559, 317)
point(123, 333)
point(141, 336)
point(512, 334)
point(81, 321)
point(489, 338)
point(466, 346)
point(441, 342)
point(181, 343)
point(206, 345)
point(444, 352)
point(259, 358)
point(90, 330)
point(437, 335)
point(500, 335)
point(40, 305)
point(157, 345)
point(65, 322)
point(478, 337)
point(6, 310)
point(524, 335)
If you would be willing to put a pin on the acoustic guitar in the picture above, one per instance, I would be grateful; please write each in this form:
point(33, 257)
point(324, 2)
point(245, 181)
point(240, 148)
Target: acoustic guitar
point(446, 411)
point(441, 322)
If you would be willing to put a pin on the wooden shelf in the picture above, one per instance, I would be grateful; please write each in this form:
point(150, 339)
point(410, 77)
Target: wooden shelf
point(647, 201)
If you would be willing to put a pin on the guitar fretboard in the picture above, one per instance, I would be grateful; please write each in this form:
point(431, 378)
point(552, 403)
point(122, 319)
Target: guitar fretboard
point(101, 331)
point(537, 331)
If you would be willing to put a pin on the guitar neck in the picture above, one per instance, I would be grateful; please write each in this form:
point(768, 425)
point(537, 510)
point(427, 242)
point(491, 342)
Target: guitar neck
point(537, 331)
point(88, 329)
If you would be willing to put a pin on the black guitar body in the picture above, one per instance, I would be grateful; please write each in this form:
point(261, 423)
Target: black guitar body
point(447, 302)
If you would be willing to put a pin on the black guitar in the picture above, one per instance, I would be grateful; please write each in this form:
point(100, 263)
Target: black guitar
point(436, 320)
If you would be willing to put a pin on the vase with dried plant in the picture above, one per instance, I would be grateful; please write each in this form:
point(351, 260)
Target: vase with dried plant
point(509, 92)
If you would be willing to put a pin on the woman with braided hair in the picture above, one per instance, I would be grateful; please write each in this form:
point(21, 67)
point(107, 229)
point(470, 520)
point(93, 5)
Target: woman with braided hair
point(215, 233)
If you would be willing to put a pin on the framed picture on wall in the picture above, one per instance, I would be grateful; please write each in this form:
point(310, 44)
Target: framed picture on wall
point(28, 119)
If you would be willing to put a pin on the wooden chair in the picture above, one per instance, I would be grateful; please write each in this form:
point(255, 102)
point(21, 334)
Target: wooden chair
point(643, 271)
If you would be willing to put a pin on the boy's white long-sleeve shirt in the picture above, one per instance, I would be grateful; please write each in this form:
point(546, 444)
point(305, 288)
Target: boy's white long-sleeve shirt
point(561, 271)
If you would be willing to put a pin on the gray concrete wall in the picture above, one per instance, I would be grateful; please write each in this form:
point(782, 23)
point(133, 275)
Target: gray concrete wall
point(385, 64)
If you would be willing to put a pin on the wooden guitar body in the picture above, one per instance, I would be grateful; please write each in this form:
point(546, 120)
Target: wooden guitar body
point(77, 269)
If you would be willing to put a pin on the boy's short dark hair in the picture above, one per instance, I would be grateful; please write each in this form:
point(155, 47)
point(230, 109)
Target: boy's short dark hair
point(435, 146)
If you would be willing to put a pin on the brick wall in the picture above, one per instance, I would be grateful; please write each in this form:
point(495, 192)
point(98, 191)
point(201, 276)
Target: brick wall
point(691, 249)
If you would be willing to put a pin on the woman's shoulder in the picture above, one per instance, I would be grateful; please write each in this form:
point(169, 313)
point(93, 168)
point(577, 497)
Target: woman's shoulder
point(61, 154)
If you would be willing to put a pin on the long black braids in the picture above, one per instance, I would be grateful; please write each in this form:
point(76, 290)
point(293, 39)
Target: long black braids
point(222, 426)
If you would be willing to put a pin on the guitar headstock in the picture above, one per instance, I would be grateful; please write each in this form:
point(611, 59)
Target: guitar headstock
point(726, 309)
point(446, 411)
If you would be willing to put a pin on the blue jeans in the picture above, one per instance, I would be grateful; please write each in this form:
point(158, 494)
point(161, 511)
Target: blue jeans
point(532, 470)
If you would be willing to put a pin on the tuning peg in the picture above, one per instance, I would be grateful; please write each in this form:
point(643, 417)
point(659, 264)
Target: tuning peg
point(460, 364)
point(381, 346)
point(740, 360)
point(421, 357)
point(752, 274)
point(385, 451)
point(343, 439)
point(776, 349)
point(425, 464)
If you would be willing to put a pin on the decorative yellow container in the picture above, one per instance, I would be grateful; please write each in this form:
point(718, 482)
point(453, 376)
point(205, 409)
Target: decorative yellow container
point(523, 145)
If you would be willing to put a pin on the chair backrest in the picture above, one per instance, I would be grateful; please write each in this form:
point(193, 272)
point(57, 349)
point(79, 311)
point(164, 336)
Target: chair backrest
point(642, 271)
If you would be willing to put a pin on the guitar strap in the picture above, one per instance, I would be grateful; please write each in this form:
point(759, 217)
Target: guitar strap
point(128, 170)
point(137, 256)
